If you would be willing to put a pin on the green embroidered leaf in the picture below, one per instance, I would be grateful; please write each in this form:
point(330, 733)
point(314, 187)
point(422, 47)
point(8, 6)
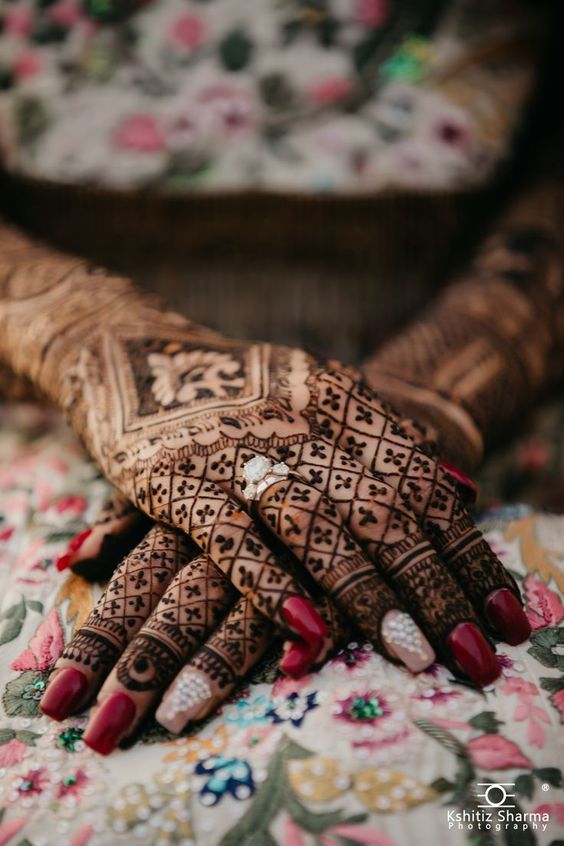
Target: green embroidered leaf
point(520, 836)
point(327, 31)
point(550, 774)
point(308, 820)
point(445, 738)
point(277, 92)
point(290, 31)
point(553, 685)
point(16, 616)
point(545, 645)
point(525, 785)
point(18, 697)
point(486, 721)
point(6, 735)
point(35, 605)
point(27, 737)
point(235, 50)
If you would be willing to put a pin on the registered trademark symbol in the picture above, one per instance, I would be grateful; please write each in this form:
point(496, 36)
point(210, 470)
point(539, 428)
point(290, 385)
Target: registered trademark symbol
point(546, 786)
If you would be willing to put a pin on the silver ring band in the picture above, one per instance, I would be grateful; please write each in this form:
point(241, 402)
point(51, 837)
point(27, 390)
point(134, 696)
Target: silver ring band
point(260, 473)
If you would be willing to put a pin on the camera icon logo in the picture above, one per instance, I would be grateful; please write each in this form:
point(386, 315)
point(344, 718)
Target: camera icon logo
point(496, 795)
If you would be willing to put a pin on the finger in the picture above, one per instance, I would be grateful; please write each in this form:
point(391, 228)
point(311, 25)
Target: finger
point(190, 609)
point(217, 668)
point(132, 594)
point(96, 552)
point(378, 442)
point(228, 535)
point(310, 526)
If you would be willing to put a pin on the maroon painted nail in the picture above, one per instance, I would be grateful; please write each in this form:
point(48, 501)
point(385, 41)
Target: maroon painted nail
point(64, 694)
point(506, 615)
point(297, 661)
point(473, 654)
point(64, 561)
point(304, 619)
point(114, 717)
point(465, 482)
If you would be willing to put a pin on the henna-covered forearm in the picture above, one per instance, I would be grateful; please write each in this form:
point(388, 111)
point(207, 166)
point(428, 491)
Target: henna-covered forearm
point(491, 342)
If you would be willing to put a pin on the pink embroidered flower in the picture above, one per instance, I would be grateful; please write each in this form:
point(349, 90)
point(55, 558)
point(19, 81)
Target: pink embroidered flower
point(12, 753)
point(27, 65)
point(364, 708)
point(18, 21)
point(360, 834)
point(226, 107)
point(330, 90)
point(44, 648)
point(519, 686)
point(285, 685)
point(6, 534)
point(557, 700)
point(187, 31)
point(555, 810)
point(493, 752)
point(351, 657)
point(543, 605)
point(66, 13)
point(372, 13)
point(72, 506)
point(140, 132)
point(32, 783)
point(73, 784)
point(526, 710)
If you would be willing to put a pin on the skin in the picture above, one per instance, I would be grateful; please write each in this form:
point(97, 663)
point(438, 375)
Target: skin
point(172, 412)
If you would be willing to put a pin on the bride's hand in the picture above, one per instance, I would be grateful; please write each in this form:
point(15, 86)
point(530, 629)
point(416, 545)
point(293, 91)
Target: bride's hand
point(173, 413)
point(165, 610)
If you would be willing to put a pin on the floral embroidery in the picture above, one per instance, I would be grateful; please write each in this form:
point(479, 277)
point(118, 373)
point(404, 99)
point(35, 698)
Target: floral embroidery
point(293, 708)
point(295, 96)
point(351, 754)
point(225, 776)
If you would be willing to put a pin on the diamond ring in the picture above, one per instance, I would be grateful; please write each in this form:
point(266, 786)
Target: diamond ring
point(260, 473)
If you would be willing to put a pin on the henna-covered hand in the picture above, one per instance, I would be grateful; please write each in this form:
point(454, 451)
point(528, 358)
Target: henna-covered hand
point(172, 412)
point(168, 619)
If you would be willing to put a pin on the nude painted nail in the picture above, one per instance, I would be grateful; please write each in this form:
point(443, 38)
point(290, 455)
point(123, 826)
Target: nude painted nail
point(184, 701)
point(405, 640)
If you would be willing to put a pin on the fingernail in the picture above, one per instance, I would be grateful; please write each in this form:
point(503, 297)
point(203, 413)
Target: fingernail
point(298, 660)
point(469, 486)
point(64, 693)
point(64, 561)
point(304, 619)
point(114, 717)
point(473, 654)
point(184, 700)
point(76, 542)
point(506, 615)
point(405, 640)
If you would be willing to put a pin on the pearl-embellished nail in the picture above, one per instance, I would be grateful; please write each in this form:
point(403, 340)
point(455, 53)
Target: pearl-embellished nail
point(405, 640)
point(184, 700)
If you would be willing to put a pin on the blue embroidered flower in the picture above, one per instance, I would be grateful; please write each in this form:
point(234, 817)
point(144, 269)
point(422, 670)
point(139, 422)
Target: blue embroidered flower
point(225, 775)
point(292, 708)
point(250, 712)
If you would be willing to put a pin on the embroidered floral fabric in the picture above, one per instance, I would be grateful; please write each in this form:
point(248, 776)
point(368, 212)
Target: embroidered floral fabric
point(300, 96)
point(361, 753)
